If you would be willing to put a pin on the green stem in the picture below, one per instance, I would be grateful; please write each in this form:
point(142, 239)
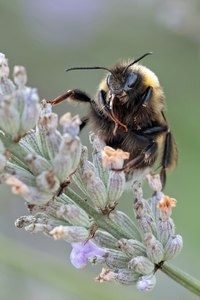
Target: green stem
point(184, 279)
point(101, 220)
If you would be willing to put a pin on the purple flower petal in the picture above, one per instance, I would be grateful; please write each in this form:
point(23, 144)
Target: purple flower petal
point(82, 251)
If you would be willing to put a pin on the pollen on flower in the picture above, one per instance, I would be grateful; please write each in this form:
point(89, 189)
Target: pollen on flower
point(18, 187)
point(165, 205)
point(58, 232)
point(111, 156)
point(105, 276)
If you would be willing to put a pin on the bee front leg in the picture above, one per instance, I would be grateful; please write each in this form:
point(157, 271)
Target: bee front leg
point(146, 96)
point(76, 95)
point(84, 121)
point(102, 103)
point(146, 158)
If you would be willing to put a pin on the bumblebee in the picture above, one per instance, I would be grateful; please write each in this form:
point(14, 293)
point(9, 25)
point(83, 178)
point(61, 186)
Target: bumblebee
point(128, 113)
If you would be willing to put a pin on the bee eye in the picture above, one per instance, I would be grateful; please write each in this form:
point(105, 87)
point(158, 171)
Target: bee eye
point(131, 80)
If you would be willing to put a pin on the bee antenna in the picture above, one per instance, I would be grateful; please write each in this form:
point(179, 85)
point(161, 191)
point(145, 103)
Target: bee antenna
point(135, 61)
point(89, 68)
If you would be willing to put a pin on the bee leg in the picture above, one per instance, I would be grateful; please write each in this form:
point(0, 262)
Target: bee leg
point(84, 121)
point(169, 157)
point(156, 130)
point(103, 104)
point(146, 158)
point(76, 95)
point(146, 96)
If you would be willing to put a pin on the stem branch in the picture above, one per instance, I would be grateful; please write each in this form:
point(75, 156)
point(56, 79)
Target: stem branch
point(101, 220)
point(184, 279)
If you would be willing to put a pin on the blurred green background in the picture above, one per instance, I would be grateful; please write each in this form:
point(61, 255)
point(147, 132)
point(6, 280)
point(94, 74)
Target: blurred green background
point(48, 36)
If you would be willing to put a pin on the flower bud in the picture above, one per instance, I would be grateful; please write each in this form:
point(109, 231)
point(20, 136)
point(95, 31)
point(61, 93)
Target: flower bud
point(165, 230)
point(84, 166)
point(4, 68)
point(27, 102)
point(70, 125)
point(71, 234)
point(9, 116)
point(74, 215)
point(144, 216)
point(105, 239)
point(146, 283)
point(47, 126)
point(24, 221)
point(116, 259)
point(96, 260)
point(53, 141)
point(6, 85)
point(154, 182)
point(95, 189)
point(47, 182)
point(34, 224)
point(46, 108)
point(154, 204)
point(142, 265)
point(98, 145)
point(18, 187)
point(146, 224)
point(142, 208)
point(68, 157)
point(53, 137)
point(36, 228)
point(21, 174)
point(20, 76)
point(137, 190)
point(19, 112)
point(101, 172)
point(115, 187)
point(123, 221)
point(127, 276)
point(37, 197)
point(131, 247)
point(154, 248)
point(173, 247)
point(37, 163)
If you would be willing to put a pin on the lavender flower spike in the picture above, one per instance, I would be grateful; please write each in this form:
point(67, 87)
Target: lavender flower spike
point(82, 251)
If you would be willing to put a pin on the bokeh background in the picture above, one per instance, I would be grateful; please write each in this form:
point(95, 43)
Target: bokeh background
point(48, 36)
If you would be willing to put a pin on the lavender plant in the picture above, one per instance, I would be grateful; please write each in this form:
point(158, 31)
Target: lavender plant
point(43, 165)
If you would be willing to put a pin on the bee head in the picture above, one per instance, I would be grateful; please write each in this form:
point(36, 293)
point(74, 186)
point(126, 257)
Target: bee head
point(121, 86)
point(121, 81)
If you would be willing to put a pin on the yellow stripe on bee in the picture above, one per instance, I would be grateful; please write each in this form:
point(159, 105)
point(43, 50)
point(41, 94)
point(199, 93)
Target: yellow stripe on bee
point(103, 85)
point(150, 79)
